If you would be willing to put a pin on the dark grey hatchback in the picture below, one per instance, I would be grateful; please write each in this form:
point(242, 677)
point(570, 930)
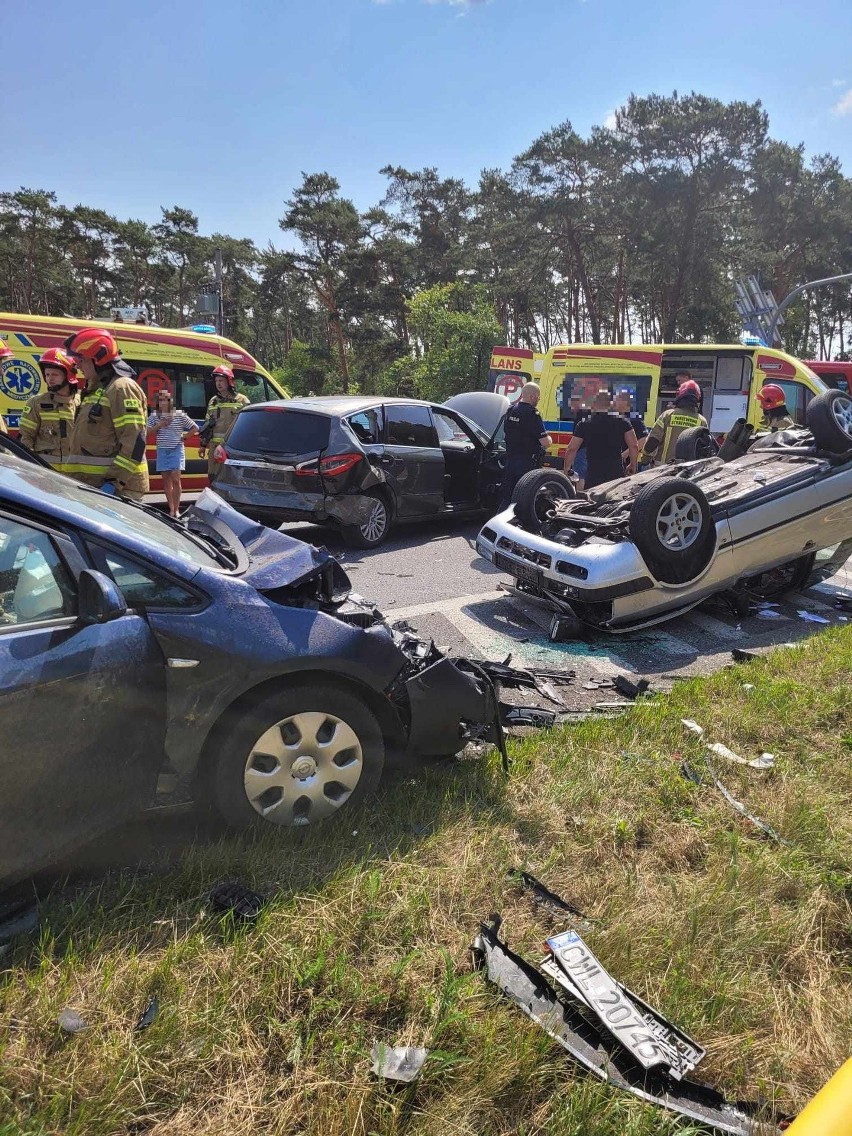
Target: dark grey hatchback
point(362, 463)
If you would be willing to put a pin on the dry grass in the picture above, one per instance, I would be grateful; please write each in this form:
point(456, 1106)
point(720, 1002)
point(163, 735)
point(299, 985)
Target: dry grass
point(268, 1029)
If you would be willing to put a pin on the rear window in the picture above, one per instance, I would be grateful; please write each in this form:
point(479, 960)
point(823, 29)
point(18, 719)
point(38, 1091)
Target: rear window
point(280, 431)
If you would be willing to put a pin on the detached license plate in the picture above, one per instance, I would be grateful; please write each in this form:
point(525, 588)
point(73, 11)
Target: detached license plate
point(527, 573)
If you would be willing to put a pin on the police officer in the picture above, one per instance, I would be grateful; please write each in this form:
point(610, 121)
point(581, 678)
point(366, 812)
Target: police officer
point(775, 412)
point(661, 442)
point(526, 437)
point(108, 440)
point(6, 353)
point(47, 420)
point(222, 411)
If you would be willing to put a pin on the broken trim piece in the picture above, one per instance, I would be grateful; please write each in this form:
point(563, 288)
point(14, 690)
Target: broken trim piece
point(543, 895)
point(765, 761)
point(527, 988)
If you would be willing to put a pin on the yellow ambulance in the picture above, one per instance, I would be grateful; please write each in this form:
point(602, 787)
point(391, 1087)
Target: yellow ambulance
point(729, 375)
point(177, 360)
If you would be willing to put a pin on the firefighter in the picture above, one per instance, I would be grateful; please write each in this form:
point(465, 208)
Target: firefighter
point(222, 411)
point(47, 420)
point(108, 440)
point(660, 446)
point(6, 353)
point(775, 413)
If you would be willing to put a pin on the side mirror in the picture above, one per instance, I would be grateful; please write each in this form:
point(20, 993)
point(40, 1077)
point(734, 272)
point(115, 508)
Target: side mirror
point(99, 600)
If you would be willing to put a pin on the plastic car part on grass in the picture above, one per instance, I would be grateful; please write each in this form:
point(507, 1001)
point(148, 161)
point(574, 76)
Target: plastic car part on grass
point(765, 761)
point(237, 900)
point(398, 1063)
point(593, 1048)
point(148, 1015)
point(543, 895)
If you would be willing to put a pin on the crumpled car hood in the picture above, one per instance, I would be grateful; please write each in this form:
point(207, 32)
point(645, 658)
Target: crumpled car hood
point(275, 560)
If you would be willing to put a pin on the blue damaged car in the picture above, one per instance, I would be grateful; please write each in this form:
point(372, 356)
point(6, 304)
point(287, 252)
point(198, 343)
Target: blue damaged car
point(213, 648)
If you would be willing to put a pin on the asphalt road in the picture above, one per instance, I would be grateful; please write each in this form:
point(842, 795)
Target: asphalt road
point(432, 576)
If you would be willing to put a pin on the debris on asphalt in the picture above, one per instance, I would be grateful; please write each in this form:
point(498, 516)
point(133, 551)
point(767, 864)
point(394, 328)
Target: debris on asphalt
point(148, 1015)
point(542, 894)
point(765, 761)
point(566, 628)
point(843, 603)
point(236, 898)
point(70, 1021)
point(812, 617)
point(571, 1023)
point(610, 706)
point(630, 689)
point(398, 1063)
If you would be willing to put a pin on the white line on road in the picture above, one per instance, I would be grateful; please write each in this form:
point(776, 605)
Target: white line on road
point(441, 607)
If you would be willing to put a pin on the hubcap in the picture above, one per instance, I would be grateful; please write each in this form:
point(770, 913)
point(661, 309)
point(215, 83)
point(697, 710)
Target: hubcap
point(679, 522)
point(303, 769)
point(842, 409)
point(375, 525)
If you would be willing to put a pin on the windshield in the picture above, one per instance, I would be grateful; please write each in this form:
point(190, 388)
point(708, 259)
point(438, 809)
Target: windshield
point(93, 507)
point(278, 430)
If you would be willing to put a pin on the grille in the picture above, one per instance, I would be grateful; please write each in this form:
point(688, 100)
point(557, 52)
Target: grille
point(539, 558)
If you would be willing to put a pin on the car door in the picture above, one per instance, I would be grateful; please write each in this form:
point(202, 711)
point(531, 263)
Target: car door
point(82, 705)
point(412, 460)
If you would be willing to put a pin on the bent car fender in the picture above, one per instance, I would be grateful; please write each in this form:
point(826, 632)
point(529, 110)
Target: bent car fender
point(441, 698)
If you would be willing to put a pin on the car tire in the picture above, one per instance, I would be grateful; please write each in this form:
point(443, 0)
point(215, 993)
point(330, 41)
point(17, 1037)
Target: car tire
point(300, 756)
point(671, 525)
point(829, 418)
point(536, 492)
point(375, 529)
point(696, 443)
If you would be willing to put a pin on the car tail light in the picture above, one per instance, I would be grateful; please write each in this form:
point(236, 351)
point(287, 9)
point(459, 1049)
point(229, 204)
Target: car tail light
point(328, 467)
point(220, 455)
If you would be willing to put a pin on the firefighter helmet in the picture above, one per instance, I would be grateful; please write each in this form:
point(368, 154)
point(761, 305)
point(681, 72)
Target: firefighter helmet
point(93, 343)
point(771, 396)
point(6, 352)
point(226, 372)
point(56, 357)
point(689, 389)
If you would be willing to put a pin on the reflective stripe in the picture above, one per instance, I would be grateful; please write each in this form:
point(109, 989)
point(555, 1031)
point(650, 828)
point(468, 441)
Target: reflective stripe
point(132, 404)
point(131, 466)
point(75, 464)
point(129, 420)
point(685, 420)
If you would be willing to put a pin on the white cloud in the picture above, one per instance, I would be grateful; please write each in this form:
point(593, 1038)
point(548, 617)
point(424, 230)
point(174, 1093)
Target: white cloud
point(461, 3)
point(838, 82)
point(844, 105)
point(610, 122)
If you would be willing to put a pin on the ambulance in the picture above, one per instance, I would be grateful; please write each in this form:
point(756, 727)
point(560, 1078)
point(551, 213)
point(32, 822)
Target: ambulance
point(177, 360)
point(729, 375)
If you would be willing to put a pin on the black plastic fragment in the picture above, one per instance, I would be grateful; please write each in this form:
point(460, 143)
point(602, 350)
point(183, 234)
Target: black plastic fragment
point(527, 716)
point(843, 603)
point(18, 917)
point(240, 901)
point(741, 656)
point(543, 894)
point(630, 689)
point(599, 1054)
point(148, 1015)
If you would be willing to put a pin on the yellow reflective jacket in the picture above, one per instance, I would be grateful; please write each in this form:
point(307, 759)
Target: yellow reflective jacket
point(108, 441)
point(222, 412)
point(669, 427)
point(46, 425)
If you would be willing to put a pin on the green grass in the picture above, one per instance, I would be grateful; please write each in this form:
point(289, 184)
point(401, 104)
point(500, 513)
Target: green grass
point(744, 942)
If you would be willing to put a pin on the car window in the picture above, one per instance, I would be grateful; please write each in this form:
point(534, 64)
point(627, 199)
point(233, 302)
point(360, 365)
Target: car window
point(797, 396)
point(34, 583)
point(143, 586)
point(366, 426)
point(279, 429)
point(449, 430)
point(255, 387)
point(410, 425)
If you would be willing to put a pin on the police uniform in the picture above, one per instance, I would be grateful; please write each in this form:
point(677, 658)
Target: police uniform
point(668, 428)
point(222, 412)
point(46, 425)
point(108, 440)
point(523, 429)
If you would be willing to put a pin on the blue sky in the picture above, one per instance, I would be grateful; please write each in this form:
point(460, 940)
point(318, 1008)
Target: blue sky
point(218, 106)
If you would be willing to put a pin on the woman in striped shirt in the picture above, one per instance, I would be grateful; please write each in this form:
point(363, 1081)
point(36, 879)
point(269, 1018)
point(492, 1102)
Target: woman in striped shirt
point(170, 427)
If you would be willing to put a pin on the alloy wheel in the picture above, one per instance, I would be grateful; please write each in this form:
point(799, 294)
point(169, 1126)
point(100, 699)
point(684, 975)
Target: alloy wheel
point(679, 522)
point(841, 408)
point(376, 524)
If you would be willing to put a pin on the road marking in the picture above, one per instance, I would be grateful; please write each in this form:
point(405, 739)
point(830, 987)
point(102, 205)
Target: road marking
point(716, 628)
point(441, 607)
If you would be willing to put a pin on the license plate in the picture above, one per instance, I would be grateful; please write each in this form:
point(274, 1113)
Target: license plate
point(526, 573)
point(647, 1035)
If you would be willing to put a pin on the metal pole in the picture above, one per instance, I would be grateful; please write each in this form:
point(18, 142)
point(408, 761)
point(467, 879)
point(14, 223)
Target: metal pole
point(788, 299)
point(220, 315)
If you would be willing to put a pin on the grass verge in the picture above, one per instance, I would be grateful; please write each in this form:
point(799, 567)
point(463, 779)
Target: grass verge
point(742, 941)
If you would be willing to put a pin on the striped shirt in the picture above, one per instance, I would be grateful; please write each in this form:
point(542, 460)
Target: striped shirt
point(170, 435)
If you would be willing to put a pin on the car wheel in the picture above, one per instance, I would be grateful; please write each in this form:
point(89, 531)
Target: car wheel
point(829, 418)
point(376, 527)
point(695, 443)
point(670, 524)
point(297, 757)
point(535, 494)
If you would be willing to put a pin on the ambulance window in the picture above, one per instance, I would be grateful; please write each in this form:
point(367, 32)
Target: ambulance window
point(191, 392)
point(254, 387)
point(797, 396)
point(733, 373)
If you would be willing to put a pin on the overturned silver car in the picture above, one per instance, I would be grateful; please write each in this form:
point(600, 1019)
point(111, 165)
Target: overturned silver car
point(640, 550)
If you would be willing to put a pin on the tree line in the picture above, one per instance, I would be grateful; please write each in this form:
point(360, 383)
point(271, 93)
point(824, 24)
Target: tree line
point(635, 232)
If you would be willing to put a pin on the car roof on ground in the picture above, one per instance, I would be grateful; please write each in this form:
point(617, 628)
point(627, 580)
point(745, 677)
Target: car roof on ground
point(339, 403)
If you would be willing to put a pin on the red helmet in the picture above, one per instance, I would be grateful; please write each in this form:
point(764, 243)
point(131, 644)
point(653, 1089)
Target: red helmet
point(771, 396)
point(56, 357)
point(689, 389)
point(93, 343)
point(226, 372)
point(6, 352)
